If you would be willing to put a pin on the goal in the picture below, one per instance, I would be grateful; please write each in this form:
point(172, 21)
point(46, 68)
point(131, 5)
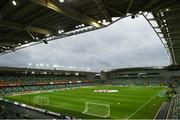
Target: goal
point(41, 100)
point(97, 109)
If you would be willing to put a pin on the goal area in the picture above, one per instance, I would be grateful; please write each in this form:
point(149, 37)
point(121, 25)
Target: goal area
point(41, 100)
point(97, 109)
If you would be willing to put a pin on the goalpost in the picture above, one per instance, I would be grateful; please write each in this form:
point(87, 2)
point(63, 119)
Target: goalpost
point(41, 100)
point(97, 109)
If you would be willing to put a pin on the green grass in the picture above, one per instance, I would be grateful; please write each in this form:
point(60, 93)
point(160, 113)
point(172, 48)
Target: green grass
point(132, 102)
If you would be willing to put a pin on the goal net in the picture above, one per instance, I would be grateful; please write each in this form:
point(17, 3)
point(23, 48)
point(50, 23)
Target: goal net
point(41, 100)
point(97, 109)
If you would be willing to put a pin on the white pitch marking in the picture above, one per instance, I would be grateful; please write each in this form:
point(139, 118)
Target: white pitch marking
point(142, 106)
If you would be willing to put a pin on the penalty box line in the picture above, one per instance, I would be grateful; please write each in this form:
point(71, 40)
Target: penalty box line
point(143, 105)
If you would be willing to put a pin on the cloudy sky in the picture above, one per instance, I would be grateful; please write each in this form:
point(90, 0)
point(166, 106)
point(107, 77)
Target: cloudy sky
point(127, 43)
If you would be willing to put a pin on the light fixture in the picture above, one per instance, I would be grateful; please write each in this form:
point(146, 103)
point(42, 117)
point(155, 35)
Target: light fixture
point(140, 12)
point(162, 14)
point(25, 41)
point(167, 9)
point(47, 35)
point(14, 3)
point(59, 31)
point(61, 1)
point(37, 38)
point(99, 21)
point(82, 25)
point(95, 24)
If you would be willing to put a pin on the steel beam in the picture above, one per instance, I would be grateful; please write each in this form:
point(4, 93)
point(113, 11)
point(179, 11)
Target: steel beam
point(167, 17)
point(15, 38)
point(20, 27)
point(148, 5)
point(103, 10)
point(121, 14)
point(163, 5)
point(67, 11)
point(7, 44)
point(129, 6)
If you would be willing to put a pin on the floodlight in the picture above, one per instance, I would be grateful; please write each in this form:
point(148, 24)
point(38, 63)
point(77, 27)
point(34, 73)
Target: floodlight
point(61, 1)
point(82, 25)
point(140, 12)
point(99, 21)
point(47, 35)
point(14, 3)
point(95, 24)
point(19, 44)
point(26, 41)
point(59, 31)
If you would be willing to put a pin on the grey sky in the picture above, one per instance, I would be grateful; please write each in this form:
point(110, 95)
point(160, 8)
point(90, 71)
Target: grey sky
point(127, 43)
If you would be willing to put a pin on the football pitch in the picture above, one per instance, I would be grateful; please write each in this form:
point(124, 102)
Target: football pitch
point(129, 102)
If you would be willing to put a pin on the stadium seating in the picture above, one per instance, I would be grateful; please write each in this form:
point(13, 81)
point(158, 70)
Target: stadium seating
point(22, 89)
point(10, 114)
point(40, 78)
point(176, 107)
point(138, 82)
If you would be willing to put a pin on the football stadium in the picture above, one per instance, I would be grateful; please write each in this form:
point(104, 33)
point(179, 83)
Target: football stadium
point(118, 93)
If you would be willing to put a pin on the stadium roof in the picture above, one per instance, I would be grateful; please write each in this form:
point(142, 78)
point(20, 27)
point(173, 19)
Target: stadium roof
point(25, 70)
point(169, 68)
point(27, 22)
